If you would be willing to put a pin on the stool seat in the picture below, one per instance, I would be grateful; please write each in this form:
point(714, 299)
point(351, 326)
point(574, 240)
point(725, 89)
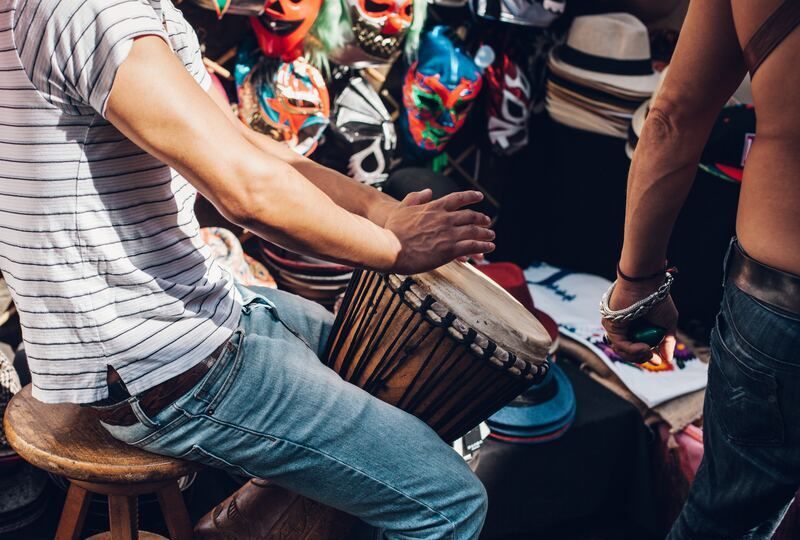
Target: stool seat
point(67, 440)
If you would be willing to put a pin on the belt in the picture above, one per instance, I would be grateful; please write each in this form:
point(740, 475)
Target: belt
point(155, 399)
point(772, 286)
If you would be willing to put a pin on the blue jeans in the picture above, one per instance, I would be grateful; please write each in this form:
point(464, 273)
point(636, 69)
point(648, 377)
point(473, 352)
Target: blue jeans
point(751, 432)
point(269, 408)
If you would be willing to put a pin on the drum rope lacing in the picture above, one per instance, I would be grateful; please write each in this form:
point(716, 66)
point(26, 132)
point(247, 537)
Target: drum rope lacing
point(372, 305)
point(410, 291)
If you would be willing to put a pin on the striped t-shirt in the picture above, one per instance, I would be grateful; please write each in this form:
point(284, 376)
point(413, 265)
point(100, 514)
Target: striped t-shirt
point(99, 243)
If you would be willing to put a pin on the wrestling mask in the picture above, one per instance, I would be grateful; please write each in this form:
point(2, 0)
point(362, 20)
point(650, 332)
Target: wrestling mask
point(538, 13)
point(438, 93)
point(362, 33)
point(508, 108)
point(280, 29)
point(286, 100)
point(364, 127)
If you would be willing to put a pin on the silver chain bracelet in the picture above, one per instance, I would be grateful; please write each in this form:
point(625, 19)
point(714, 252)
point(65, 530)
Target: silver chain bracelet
point(638, 309)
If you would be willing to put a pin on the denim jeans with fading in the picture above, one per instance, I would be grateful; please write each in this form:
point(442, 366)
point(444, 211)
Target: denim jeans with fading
point(269, 408)
point(751, 430)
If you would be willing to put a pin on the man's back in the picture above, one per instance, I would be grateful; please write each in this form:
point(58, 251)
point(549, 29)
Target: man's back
point(769, 211)
point(98, 239)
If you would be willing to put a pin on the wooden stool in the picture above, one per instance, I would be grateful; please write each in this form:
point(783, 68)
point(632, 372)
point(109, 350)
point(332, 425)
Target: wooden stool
point(69, 441)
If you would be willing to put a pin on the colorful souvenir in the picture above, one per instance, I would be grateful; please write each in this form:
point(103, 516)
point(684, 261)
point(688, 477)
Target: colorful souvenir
point(280, 29)
point(286, 100)
point(438, 93)
point(234, 7)
point(362, 123)
point(361, 33)
point(508, 105)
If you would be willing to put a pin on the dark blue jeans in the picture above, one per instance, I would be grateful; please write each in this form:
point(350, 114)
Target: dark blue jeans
point(751, 467)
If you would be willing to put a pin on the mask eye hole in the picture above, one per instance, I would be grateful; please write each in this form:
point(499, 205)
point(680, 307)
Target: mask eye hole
point(515, 110)
point(408, 10)
point(375, 7)
point(428, 103)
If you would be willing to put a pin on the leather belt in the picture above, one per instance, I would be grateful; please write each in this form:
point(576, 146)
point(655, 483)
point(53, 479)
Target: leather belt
point(772, 286)
point(155, 399)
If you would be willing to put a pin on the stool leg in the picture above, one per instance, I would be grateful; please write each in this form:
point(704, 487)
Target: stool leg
point(174, 510)
point(73, 515)
point(123, 517)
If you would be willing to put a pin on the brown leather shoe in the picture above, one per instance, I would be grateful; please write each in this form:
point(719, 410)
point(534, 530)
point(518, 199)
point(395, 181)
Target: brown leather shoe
point(260, 510)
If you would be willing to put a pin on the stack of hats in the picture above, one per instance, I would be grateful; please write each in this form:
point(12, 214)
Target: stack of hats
point(541, 414)
point(546, 410)
point(601, 75)
point(311, 278)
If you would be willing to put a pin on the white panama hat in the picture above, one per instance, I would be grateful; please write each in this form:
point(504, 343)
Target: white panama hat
point(612, 49)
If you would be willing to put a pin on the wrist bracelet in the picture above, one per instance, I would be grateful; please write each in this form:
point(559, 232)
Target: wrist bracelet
point(638, 309)
point(636, 279)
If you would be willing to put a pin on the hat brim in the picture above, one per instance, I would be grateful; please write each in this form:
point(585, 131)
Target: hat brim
point(538, 419)
point(641, 84)
point(577, 118)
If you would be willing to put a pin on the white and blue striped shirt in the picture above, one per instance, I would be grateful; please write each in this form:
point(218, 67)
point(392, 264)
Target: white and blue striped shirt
point(99, 243)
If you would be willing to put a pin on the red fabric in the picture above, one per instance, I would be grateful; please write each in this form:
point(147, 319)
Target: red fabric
point(512, 279)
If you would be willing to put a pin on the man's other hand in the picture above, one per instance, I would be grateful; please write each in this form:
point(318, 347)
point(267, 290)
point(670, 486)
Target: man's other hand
point(663, 315)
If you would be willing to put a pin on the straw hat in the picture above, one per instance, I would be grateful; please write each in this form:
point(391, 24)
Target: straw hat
point(611, 50)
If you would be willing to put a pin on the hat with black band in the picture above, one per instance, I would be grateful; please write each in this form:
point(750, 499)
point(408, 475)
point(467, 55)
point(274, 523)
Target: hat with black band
point(610, 51)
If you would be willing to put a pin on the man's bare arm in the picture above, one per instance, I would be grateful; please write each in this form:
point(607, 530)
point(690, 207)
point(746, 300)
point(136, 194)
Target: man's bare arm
point(356, 197)
point(706, 68)
point(158, 105)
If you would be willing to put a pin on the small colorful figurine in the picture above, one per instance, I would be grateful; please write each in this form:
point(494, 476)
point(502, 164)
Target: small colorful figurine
point(234, 7)
point(438, 93)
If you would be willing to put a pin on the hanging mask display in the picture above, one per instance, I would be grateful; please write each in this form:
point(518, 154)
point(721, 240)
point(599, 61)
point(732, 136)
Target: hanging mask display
point(438, 93)
point(508, 105)
point(538, 13)
point(362, 33)
point(286, 100)
point(362, 123)
point(280, 29)
point(234, 7)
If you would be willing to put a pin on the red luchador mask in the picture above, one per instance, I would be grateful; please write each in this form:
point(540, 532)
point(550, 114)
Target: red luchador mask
point(283, 25)
point(509, 105)
point(380, 26)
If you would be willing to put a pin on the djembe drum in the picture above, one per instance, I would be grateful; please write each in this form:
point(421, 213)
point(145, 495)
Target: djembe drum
point(448, 346)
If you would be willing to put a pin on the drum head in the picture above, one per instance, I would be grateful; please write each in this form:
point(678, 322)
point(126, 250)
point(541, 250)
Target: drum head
point(488, 309)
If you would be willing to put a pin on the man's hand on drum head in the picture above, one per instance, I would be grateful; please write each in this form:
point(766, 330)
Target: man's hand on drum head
point(428, 234)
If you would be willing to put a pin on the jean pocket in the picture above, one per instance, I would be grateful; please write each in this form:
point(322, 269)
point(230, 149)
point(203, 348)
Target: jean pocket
point(213, 386)
point(744, 398)
point(199, 455)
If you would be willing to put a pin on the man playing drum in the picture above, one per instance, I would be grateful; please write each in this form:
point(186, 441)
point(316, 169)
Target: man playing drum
point(751, 468)
point(109, 125)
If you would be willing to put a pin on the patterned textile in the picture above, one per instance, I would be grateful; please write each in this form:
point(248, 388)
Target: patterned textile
point(230, 255)
point(9, 385)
